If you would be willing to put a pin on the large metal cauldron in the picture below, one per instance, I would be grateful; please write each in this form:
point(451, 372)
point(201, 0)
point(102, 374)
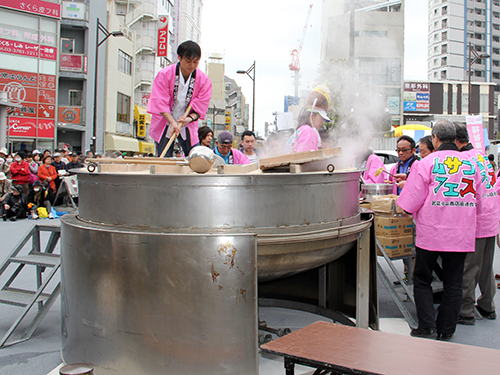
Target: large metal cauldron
point(159, 272)
point(302, 220)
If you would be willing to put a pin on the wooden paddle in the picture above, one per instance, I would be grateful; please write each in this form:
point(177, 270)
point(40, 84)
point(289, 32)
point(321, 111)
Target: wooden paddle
point(173, 136)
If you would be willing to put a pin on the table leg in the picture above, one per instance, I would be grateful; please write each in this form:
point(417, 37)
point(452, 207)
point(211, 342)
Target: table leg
point(289, 366)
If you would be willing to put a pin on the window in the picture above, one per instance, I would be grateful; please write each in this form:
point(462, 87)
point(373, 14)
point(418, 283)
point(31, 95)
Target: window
point(496, 38)
point(478, 73)
point(496, 63)
point(496, 51)
point(443, 74)
point(479, 36)
point(483, 103)
point(67, 45)
point(444, 48)
point(444, 35)
point(124, 62)
point(444, 23)
point(435, 62)
point(479, 24)
point(380, 71)
point(228, 86)
point(123, 108)
point(444, 10)
point(371, 33)
point(444, 61)
point(465, 102)
point(75, 98)
point(496, 75)
point(496, 14)
point(496, 27)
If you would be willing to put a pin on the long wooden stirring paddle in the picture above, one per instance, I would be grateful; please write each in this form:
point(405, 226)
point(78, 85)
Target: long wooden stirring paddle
point(172, 136)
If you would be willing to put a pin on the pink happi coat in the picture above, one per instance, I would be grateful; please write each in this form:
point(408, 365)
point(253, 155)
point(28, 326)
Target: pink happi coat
point(488, 215)
point(373, 163)
point(441, 192)
point(162, 100)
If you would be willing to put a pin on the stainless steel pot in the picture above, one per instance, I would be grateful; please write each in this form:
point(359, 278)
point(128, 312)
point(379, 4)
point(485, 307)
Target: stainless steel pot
point(369, 190)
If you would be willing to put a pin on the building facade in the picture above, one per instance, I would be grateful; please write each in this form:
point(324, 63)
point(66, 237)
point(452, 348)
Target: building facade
point(372, 40)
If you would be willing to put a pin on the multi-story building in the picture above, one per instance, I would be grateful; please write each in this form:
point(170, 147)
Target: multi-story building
point(458, 30)
point(29, 54)
point(373, 43)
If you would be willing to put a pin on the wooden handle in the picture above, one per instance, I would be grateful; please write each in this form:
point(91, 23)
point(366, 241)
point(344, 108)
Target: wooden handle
point(172, 136)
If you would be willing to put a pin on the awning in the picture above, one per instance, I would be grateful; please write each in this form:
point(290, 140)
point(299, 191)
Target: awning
point(120, 143)
point(146, 147)
point(142, 111)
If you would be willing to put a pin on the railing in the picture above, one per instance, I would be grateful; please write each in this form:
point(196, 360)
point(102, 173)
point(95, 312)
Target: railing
point(143, 77)
point(73, 62)
point(146, 10)
point(145, 43)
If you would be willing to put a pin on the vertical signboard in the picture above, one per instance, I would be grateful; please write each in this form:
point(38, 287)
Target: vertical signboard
point(162, 36)
point(416, 97)
point(475, 130)
point(228, 120)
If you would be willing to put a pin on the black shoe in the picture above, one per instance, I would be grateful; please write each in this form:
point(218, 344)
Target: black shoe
point(466, 321)
point(4, 217)
point(444, 336)
point(421, 332)
point(486, 314)
point(13, 218)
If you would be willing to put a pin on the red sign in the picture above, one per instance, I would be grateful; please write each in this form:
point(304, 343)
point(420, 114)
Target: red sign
point(36, 95)
point(70, 62)
point(27, 49)
point(39, 7)
point(46, 128)
point(162, 36)
point(22, 127)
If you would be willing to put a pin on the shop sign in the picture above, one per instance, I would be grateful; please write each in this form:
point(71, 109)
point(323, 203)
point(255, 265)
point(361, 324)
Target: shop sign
point(475, 130)
point(70, 62)
point(39, 7)
point(46, 128)
point(27, 49)
point(145, 98)
point(162, 36)
point(26, 35)
point(141, 126)
point(69, 115)
point(416, 97)
point(22, 127)
point(73, 10)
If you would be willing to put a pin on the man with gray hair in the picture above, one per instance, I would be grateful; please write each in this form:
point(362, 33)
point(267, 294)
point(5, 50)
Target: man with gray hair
point(441, 193)
point(478, 267)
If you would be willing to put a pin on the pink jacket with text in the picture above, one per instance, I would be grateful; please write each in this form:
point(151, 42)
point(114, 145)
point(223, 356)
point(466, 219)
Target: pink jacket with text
point(488, 215)
point(441, 192)
point(306, 138)
point(162, 100)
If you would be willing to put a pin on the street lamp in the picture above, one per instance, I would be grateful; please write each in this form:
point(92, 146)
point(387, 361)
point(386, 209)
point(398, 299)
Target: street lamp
point(472, 61)
point(107, 34)
point(252, 77)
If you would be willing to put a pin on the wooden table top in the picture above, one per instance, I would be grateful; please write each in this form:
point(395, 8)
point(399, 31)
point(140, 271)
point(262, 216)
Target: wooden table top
point(376, 352)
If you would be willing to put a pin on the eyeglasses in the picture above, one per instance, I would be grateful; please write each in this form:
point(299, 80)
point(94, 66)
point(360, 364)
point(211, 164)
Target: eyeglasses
point(221, 145)
point(403, 149)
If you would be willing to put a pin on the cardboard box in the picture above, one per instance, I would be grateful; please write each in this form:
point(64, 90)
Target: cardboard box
point(396, 246)
point(385, 204)
point(393, 226)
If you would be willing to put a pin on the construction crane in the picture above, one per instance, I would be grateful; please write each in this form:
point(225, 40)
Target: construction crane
point(295, 65)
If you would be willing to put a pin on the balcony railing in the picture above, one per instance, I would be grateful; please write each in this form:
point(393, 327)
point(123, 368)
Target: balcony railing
point(145, 10)
point(73, 62)
point(143, 77)
point(145, 43)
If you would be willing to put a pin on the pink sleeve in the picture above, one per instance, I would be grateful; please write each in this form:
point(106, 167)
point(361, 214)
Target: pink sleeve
point(161, 94)
point(416, 189)
point(199, 102)
point(372, 165)
point(307, 139)
point(240, 157)
point(393, 171)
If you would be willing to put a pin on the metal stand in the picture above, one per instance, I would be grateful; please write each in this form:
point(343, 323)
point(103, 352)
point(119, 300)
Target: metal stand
point(27, 298)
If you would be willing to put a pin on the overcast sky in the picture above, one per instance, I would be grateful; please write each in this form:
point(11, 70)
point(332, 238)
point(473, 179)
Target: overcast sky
point(268, 30)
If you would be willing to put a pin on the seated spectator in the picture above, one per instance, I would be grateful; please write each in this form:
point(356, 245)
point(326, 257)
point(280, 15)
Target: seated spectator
point(5, 186)
point(33, 167)
point(205, 135)
point(225, 150)
point(39, 196)
point(15, 205)
point(5, 161)
point(60, 167)
point(20, 171)
point(74, 163)
point(47, 173)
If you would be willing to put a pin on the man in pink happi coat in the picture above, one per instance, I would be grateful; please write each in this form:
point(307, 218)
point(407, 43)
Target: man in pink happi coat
point(442, 193)
point(478, 269)
point(174, 89)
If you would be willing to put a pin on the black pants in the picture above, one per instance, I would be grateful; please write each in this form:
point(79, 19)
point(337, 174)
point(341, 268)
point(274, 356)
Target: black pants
point(185, 144)
point(453, 269)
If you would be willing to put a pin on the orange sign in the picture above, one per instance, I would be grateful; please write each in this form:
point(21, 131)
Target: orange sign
point(69, 115)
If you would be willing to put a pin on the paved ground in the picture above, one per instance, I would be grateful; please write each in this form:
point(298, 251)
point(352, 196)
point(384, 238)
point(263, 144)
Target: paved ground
point(41, 354)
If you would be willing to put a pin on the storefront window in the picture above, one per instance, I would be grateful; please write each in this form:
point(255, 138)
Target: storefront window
point(123, 108)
